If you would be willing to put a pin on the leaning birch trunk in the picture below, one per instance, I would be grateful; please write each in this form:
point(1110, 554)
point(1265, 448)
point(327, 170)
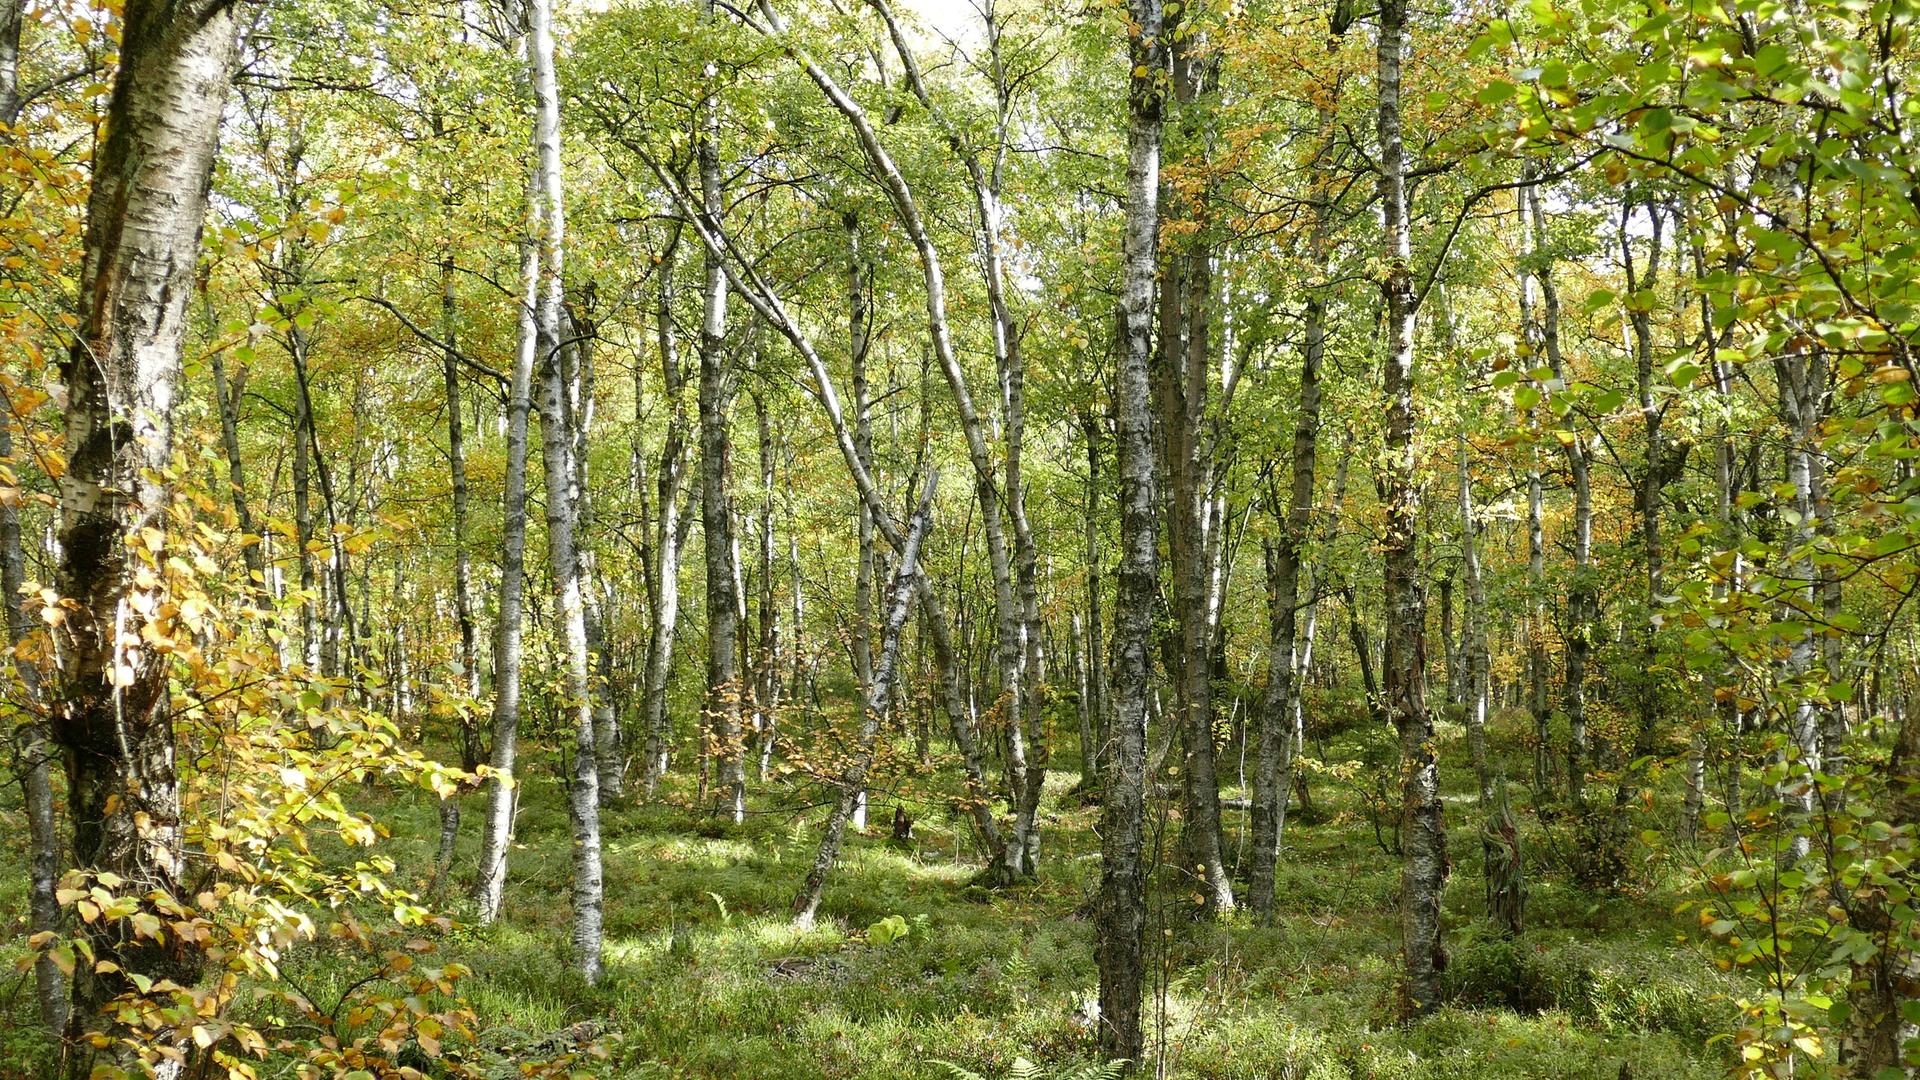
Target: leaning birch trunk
point(765, 301)
point(557, 450)
point(36, 782)
point(108, 705)
point(1120, 937)
point(1010, 648)
point(502, 798)
point(1404, 675)
point(853, 782)
point(1028, 749)
point(858, 341)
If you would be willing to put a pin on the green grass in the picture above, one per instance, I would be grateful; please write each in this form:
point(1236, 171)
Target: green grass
point(706, 978)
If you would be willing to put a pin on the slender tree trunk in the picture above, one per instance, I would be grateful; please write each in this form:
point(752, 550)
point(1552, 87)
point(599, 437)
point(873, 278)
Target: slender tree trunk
point(1802, 378)
point(767, 667)
point(1423, 826)
point(1021, 671)
point(502, 794)
point(1095, 755)
point(1011, 646)
point(1535, 629)
point(765, 300)
point(1120, 935)
point(35, 756)
point(462, 569)
point(558, 418)
point(1582, 600)
point(1534, 623)
point(717, 385)
point(858, 344)
point(669, 533)
point(1181, 388)
point(1281, 704)
point(226, 394)
point(878, 703)
point(109, 705)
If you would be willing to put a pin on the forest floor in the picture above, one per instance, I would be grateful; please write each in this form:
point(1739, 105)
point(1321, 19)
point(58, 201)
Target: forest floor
point(706, 978)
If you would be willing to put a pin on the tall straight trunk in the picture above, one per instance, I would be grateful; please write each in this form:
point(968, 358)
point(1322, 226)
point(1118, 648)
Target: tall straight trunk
point(1536, 630)
point(669, 533)
point(36, 782)
point(717, 384)
point(1475, 661)
point(1473, 678)
point(1281, 702)
point(108, 706)
point(558, 418)
point(1582, 598)
point(575, 359)
point(1423, 826)
point(502, 794)
point(879, 700)
point(1120, 937)
point(462, 497)
point(310, 628)
point(576, 369)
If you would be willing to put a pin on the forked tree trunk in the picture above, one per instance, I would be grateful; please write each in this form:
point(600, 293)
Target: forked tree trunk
point(760, 294)
point(109, 704)
point(1011, 646)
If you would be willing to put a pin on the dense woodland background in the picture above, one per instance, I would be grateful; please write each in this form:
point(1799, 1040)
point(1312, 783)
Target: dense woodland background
point(819, 538)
